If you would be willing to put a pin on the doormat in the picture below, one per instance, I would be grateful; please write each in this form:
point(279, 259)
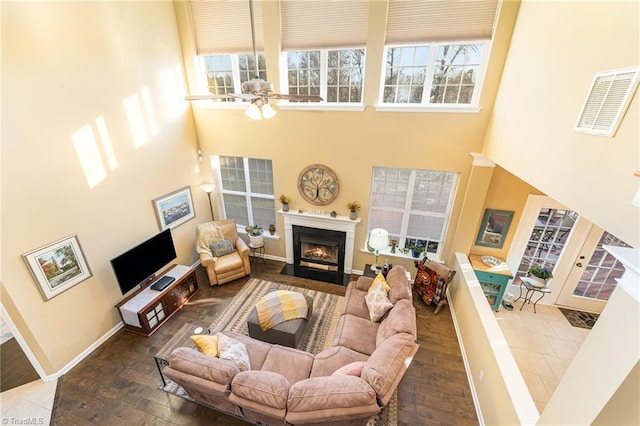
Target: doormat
point(579, 318)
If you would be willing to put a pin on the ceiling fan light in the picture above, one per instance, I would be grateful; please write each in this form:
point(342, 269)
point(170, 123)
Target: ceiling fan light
point(253, 112)
point(268, 111)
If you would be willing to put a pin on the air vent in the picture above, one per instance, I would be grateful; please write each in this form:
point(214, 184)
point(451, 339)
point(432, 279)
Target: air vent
point(607, 101)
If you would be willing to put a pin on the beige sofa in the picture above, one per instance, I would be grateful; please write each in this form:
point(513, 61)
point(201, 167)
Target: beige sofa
point(290, 386)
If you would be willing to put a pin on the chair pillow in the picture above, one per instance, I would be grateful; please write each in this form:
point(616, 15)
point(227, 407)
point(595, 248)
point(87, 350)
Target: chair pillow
point(378, 302)
point(233, 350)
point(206, 344)
point(222, 248)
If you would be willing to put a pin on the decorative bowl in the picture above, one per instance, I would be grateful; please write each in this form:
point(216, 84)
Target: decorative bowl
point(490, 261)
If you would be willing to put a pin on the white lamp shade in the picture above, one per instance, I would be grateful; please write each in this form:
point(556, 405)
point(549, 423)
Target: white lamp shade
point(378, 239)
point(207, 187)
point(253, 112)
point(268, 111)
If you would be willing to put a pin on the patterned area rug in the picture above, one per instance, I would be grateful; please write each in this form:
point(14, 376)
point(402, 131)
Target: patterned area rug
point(579, 318)
point(317, 337)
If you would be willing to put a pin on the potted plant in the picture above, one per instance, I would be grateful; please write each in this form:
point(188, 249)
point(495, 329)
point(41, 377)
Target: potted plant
point(416, 251)
point(255, 235)
point(539, 274)
point(284, 199)
point(354, 207)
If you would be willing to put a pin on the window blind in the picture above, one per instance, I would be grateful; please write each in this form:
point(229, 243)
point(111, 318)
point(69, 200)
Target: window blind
point(224, 26)
point(411, 21)
point(308, 24)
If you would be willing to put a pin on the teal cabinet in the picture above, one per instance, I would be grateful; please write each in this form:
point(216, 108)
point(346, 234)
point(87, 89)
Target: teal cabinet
point(493, 280)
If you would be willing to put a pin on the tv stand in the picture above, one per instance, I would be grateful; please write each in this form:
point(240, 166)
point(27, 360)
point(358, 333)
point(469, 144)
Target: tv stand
point(147, 309)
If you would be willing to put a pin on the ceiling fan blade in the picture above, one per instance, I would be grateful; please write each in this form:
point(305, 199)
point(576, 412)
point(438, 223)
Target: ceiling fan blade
point(312, 98)
point(210, 96)
point(247, 96)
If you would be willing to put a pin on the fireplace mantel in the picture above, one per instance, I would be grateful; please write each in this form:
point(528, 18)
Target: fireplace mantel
point(321, 221)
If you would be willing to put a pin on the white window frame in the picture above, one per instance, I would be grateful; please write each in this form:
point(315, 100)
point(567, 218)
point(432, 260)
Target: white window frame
point(248, 195)
point(407, 211)
point(324, 105)
point(203, 86)
point(426, 94)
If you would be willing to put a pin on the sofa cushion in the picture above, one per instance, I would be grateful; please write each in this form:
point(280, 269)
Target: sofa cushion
point(354, 302)
point(233, 350)
point(387, 365)
point(379, 279)
point(377, 302)
point(206, 344)
point(293, 364)
point(397, 280)
point(356, 333)
point(333, 398)
point(329, 360)
point(229, 263)
point(351, 369)
point(264, 387)
point(257, 349)
point(190, 361)
point(401, 319)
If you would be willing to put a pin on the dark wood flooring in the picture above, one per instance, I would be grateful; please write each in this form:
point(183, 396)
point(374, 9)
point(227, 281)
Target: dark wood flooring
point(15, 368)
point(119, 383)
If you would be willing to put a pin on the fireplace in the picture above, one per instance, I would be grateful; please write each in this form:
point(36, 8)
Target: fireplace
point(318, 254)
point(319, 247)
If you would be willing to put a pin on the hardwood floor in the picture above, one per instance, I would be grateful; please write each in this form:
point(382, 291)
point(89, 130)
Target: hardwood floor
point(15, 367)
point(118, 383)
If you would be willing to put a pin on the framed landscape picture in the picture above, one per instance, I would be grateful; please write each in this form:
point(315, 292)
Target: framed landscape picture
point(58, 266)
point(175, 208)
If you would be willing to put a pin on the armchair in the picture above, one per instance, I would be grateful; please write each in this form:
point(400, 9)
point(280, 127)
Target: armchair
point(228, 267)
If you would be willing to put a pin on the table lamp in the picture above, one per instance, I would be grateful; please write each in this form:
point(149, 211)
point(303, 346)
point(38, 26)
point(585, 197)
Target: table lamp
point(378, 240)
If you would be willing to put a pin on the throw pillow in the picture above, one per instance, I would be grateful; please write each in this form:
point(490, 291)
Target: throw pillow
point(206, 344)
point(380, 279)
point(352, 369)
point(233, 350)
point(222, 248)
point(378, 302)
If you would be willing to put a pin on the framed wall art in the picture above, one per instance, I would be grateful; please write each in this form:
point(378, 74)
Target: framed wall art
point(58, 266)
point(318, 184)
point(493, 228)
point(174, 209)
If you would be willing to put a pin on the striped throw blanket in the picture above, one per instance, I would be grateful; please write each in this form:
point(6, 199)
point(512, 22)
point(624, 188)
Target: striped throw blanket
point(279, 306)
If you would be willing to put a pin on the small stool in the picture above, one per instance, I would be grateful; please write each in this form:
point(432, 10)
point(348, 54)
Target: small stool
point(287, 333)
point(531, 290)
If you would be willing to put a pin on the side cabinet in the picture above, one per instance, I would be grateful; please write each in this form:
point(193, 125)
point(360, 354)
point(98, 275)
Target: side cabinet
point(146, 310)
point(493, 280)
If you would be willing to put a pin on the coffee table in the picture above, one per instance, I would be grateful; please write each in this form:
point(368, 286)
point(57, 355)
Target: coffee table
point(181, 339)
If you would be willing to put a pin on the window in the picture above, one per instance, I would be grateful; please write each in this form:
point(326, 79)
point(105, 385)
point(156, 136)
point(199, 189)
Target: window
point(414, 206)
point(226, 73)
point(247, 190)
point(336, 75)
point(432, 74)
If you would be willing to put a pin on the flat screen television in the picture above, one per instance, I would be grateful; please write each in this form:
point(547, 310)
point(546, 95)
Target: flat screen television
point(140, 263)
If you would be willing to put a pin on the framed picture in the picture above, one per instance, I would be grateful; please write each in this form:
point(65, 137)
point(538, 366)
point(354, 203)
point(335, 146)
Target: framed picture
point(58, 266)
point(494, 228)
point(175, 208)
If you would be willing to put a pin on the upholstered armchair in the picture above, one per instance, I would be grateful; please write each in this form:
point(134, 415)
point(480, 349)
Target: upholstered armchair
point(222, 253)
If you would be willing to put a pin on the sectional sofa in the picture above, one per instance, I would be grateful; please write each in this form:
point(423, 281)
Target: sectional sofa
point(286, 386)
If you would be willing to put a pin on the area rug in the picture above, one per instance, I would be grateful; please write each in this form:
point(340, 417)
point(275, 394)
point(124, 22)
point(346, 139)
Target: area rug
point(317, 337)
point(579, 318)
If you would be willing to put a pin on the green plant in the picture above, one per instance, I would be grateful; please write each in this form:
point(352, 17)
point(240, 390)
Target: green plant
point(254, 231)
point(540, 272)
point(284, 199)
point(354, 206)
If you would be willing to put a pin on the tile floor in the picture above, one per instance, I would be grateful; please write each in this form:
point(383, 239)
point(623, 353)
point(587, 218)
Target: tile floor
point(28, 404)
point(543, 345)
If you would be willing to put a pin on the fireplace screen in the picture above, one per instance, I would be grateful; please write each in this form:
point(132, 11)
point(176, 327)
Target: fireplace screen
point(321, 252)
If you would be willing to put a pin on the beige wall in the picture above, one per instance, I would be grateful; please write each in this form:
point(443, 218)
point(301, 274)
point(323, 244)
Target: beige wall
point(545, 80)
point(65, 65)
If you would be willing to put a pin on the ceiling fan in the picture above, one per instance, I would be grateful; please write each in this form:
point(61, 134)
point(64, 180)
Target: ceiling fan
point(256, 90)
